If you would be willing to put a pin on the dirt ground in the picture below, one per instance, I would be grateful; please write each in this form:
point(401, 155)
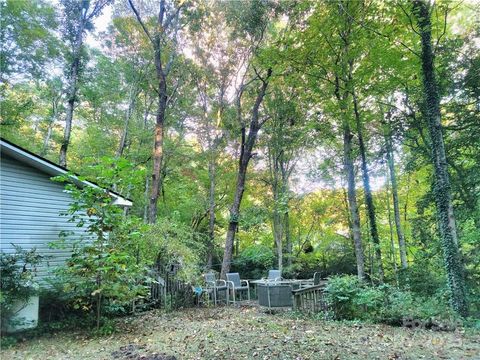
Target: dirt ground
point(247, 333)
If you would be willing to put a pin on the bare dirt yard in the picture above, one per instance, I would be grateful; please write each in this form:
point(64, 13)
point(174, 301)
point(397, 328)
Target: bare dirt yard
point(247, 333)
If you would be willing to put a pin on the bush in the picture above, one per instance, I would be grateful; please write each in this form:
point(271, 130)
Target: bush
point(422, 278)
point(254, 262)
point(102, 280)
point(101, 276)
point(17, 281)
point(167, 242)
point(350, 299)
point(398, 305)
point(341, 294)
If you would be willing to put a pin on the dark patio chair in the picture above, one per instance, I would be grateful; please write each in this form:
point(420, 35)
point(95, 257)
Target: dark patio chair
point(215, 286)
point(274, 275)
point(311, 282)
point(235, 284)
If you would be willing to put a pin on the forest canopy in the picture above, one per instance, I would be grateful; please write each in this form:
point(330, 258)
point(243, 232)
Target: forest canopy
point(338, 137)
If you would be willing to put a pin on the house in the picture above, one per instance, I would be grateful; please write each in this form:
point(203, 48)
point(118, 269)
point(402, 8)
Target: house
point(31, 203)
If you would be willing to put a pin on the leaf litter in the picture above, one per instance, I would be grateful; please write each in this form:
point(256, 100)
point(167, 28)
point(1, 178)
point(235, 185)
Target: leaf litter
point(247, 333)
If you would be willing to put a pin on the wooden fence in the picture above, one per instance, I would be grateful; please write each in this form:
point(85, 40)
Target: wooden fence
point(168, 292)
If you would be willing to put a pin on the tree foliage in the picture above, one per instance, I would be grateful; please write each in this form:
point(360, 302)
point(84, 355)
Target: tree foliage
point(339, 136)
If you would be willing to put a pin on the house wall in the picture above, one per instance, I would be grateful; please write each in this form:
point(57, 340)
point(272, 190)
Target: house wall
point(30, 207)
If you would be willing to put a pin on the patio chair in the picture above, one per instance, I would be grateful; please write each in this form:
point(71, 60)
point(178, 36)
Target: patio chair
point(215, 285)
point(274, 275)
point(311, 282)
point(235, 284)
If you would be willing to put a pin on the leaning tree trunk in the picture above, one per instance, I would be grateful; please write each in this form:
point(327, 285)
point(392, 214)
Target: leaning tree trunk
point(396, 208)
point(48, 135)
point(352, 201)
point(442, 189)
point(245, 156)
point(368, 192)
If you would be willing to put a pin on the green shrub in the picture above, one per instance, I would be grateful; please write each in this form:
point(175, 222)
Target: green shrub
point(102, 280)
point(8, 342)
point(341, 295)
point(398, 305)
point(423, 278)
point(17, 280)
point(101, 273)
point(369, 302)
point(350, 299)
point(254, 262)
point(169, 241)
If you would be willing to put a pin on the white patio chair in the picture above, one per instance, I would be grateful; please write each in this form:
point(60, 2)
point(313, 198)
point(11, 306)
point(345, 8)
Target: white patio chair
point(215, 285)
point(235, 284)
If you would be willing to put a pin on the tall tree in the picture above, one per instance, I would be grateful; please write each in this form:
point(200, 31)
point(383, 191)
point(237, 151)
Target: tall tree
point(77, 19)
point(332, 25)
point(55, 96)
point(393, 180)
point(285, 136)
point(343, 86)
point(422, 12)
point(249, 22)
point(367, 187)
point(161, 36)
point(246, 152)
point(216, 55)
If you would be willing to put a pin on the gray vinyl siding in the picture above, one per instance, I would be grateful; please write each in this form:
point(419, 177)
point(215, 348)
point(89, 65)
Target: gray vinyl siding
point(30, 213)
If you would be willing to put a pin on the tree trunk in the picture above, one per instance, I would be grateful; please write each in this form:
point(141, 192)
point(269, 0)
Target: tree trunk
point(211, 210)
point(145, 208)
point(158, 142)
point(235, 212)
point(48, 135)
point(71, 97)
point(278, 231)
point(393, 253)
point(396, 208)
point(368, 191)
point(245, 155)
point(288, 238)
point(442, 190)
point(277, 218)
point(128, 115)
point(352, 200)
point(161, 70)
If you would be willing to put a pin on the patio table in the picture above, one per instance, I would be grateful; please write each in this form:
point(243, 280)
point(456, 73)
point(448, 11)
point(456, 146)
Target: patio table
point(278, 293)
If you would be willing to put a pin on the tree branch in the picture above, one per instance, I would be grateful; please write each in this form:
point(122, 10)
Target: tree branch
point(139, 19)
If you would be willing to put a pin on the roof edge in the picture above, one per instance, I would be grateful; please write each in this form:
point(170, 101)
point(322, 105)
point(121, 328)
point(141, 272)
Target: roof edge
point(54, 169)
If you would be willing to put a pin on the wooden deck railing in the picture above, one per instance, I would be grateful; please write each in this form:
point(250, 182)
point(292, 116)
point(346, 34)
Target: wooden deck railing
point(310, 299)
